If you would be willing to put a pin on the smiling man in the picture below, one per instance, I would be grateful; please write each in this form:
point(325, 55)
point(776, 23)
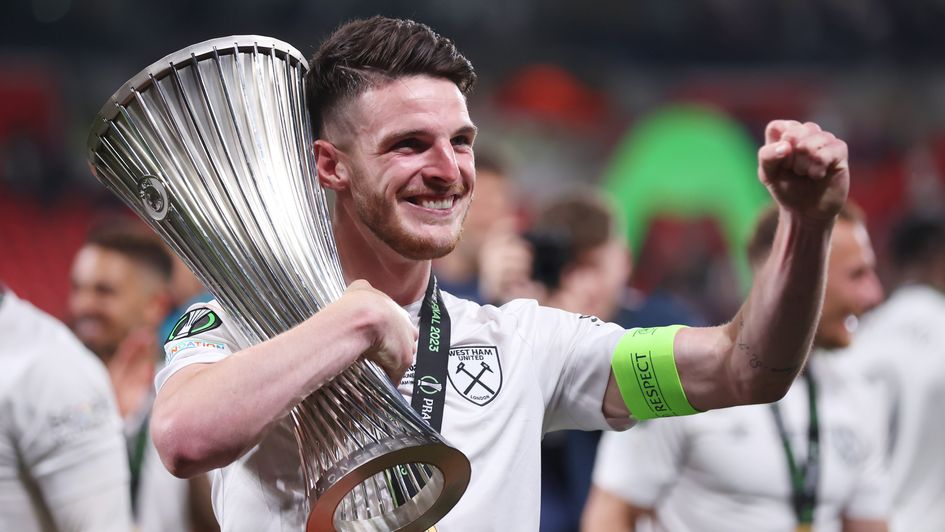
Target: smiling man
point(394, 141)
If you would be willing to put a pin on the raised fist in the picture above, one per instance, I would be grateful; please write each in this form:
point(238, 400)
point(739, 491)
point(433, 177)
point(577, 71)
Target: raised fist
point(805, 168)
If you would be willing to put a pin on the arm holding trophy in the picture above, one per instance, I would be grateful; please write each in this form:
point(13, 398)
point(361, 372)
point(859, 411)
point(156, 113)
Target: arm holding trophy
point(203, 418)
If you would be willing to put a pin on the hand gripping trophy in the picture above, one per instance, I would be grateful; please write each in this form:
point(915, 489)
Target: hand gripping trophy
point(211, 147)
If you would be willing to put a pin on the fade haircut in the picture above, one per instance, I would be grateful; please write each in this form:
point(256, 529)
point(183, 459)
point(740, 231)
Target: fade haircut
point(762, 239)
point(366, 53)
point(136, 243)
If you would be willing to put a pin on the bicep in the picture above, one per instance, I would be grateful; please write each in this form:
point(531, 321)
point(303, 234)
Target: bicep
point(703, 361)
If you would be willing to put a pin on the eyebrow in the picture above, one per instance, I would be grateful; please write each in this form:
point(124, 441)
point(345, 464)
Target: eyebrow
point(469, 129)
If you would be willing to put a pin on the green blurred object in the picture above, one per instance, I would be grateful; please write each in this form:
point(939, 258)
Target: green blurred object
point(689, 161)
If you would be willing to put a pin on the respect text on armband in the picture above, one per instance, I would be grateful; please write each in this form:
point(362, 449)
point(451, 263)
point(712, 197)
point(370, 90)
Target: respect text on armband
point(649, 385)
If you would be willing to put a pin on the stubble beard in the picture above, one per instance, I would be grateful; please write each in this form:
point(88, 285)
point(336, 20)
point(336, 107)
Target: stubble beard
point(382, 221)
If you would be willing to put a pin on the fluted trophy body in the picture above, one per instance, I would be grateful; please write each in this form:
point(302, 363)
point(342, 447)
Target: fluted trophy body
point(211, 147)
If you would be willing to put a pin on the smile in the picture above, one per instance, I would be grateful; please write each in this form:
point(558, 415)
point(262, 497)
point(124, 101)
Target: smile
point(437, 204)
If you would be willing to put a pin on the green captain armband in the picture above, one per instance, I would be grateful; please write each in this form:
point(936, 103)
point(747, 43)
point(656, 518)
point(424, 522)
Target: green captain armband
point(645, 370)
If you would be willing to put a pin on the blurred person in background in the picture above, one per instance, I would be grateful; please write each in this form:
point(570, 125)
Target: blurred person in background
point(118, 299)
point(493, 210)
point(574, 257)
point(812, 459)
point(901, 347)
point(63, 466)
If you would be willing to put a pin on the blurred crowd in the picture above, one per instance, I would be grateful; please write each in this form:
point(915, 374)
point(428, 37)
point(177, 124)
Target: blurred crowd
point(611, 199)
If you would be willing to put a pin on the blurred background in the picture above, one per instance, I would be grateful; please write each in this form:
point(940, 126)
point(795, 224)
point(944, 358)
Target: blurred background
point(661, 104)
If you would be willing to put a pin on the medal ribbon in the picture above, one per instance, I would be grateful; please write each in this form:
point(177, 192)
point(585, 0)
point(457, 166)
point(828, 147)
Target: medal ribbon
point(804, 479)
point(430, 373)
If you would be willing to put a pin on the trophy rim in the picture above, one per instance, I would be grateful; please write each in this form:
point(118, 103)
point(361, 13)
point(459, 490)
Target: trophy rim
point(452, 463)
point(160, 68)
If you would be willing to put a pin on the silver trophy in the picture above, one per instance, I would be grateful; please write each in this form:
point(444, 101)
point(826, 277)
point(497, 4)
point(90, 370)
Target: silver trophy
point(211, 146)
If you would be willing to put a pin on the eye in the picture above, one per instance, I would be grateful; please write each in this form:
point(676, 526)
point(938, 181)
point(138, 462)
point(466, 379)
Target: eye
point(408, 144)
point(462, 140)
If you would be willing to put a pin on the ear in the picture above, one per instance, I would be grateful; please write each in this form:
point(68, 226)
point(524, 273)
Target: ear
point(157, 308)
point(332, 172)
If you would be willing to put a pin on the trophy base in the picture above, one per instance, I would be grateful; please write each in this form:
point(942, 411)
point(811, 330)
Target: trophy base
point(342, 491)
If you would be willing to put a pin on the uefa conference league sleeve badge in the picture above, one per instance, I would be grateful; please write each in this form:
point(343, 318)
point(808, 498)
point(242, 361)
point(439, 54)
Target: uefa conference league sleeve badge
point(197, 321)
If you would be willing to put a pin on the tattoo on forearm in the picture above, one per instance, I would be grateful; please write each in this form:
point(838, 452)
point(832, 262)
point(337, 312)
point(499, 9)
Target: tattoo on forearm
point(755, 362)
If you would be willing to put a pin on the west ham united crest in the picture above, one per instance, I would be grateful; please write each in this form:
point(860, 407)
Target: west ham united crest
point(475, 372)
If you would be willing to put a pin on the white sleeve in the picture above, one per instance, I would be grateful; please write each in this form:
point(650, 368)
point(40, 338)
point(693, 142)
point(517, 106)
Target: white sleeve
point(69, 435)
point(571, 355)
point(641, 465)
point(203, 335)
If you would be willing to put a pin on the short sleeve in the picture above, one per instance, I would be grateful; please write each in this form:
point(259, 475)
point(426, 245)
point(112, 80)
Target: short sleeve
point(203, 335)
point(641, 465)
point(571, 355)
point(69, 436)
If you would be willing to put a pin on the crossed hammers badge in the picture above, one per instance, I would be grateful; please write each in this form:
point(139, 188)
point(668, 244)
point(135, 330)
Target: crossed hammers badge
point(478, 380)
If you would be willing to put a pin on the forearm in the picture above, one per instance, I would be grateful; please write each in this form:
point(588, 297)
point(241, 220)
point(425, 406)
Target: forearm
point(207, 415)
point(757, 355)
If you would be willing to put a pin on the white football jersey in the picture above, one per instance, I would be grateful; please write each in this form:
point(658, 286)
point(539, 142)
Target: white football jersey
point(63, 463)
point(547, 370)
point(726, 470)
point(901, 347)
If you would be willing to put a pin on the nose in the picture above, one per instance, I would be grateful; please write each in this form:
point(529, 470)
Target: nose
point(442, 164)
point(80, 302)
point(873, 291)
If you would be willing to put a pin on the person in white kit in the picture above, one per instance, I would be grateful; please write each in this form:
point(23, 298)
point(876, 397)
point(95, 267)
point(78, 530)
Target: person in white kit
point(62, 455)
point(901, 347)
point(118, 297)
point(813, 459)
point(394, 142)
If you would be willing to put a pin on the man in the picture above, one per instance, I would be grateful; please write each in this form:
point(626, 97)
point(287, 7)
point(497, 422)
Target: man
point(118, 298)
point(903, 350)
point(62, 457)
point(764, 467)
point(394, 143)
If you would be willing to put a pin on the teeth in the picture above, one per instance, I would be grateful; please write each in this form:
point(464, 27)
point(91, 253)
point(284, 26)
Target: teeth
point(444, 203)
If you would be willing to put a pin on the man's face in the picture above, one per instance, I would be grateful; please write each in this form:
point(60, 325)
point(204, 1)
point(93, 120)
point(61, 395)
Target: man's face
point(405, 149)
point(110, 296)
point(852, 285)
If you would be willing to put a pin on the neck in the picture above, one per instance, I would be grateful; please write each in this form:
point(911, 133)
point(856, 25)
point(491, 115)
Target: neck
point(364, 256)
point(455, 267)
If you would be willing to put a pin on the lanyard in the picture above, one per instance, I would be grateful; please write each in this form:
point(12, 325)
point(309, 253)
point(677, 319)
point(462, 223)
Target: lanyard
point(803, 479)
point(429, 386)
point(430, 373)
point(135, 461)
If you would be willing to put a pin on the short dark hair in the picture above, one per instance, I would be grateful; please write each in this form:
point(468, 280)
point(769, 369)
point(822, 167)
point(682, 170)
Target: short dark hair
point(364, 53)
point(917, 238)
point(762, 238)
point(135, 242)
